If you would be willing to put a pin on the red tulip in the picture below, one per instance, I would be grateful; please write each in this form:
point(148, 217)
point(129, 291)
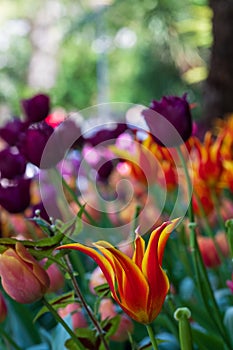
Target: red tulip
point(139, 285)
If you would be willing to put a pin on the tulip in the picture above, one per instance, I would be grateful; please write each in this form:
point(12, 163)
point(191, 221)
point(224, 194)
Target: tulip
point(15, 198)
point(3, 308)
point(139, 285)
point(23, 279)
point(210, 249)
point(97, 279)
point(56, 277)
point(77, 316)
point(107, 309)
point(12, 131)
point(106, 135)
point(11, 164)
point(169, 120)
point(33, 144)
point(36, 108)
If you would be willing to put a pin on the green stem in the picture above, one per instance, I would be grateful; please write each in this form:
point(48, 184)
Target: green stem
point(63, 323)
point(200, 270)
point(75, 198)
point(189, 184)
point(85, 305)
point(152, 337)
point(9, 339)
point(216, 205)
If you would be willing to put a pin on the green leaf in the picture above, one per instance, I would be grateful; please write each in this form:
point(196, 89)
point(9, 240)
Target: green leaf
point(103, 290)
point(39, 249)
point(207, 340)
point(71, 228)
point(57, 303)
point(87, 337)
point(71, 345)
point(110, 325)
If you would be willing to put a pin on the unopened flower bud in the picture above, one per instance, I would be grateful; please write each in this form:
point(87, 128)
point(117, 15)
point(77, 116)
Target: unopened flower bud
point(23, 279)
point(107, 309)
point(78, 318)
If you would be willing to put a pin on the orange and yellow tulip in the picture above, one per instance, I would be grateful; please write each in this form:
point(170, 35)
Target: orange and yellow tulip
point(139, 285)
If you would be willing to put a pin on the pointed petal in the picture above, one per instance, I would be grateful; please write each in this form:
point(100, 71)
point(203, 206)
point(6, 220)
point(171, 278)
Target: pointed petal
point(139, 251)
point(164, 235)
point(151, 267)
point(104, 264)
point(133, 288)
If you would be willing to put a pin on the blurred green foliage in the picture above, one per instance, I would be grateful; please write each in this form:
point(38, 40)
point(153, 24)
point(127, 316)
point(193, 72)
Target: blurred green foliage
point(146, 49)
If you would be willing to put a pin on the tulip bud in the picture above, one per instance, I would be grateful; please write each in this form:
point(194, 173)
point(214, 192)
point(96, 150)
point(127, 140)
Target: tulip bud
point(107, 309)
point(56, 278)
point(15, 197)
point(78, 318)
point(169, 120)
point(11, 164)
point(22, 277)
point(97, 278)
point(12, 131)
point(33, 144)
point(36, 108)
point(3, 308)
point(209, 251)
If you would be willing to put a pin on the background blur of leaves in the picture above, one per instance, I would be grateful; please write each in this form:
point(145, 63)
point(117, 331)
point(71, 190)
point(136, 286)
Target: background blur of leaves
point(137, 50)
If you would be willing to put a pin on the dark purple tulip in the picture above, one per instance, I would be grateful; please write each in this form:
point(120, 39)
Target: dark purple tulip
point(106, 135)
point(169, 120)
point(36, 108)
point(11, 164)
point(12, 131)
point(15, 198)
point(104, 171)
point(34, 142)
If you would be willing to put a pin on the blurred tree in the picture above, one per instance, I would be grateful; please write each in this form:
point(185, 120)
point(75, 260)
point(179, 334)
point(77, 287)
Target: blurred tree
point(147, 49)
point(218, 92)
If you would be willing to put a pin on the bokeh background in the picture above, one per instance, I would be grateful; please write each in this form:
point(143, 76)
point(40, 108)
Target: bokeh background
point(87, 52)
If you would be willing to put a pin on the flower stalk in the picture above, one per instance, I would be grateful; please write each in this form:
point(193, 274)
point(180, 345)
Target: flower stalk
point(182, 315)
point(63, 323)
point(200, 270)
point(83, 302)
point(152, 337)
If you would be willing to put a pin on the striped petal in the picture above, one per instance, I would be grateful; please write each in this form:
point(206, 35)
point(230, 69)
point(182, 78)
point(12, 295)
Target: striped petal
point(139, 251)
point(133, 288)
point(103, 263)
point(151, 267)
point(164, 235)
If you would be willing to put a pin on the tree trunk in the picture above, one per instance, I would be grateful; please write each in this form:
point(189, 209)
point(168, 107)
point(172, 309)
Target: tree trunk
point(218, 88)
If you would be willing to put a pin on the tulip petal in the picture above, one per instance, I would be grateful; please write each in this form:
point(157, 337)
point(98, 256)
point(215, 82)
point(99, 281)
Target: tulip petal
point(139, 251)
point(32, 265)
point(151, 267)
point(164, 235)
point(103, 263)
point(133, 288)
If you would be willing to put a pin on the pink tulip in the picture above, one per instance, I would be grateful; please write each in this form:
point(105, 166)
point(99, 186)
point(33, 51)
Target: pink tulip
point(22, 277)
point(107, 309)
point(78, 318)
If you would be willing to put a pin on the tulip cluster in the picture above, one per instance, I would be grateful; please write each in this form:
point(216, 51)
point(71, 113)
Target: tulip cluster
point(153, 271)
